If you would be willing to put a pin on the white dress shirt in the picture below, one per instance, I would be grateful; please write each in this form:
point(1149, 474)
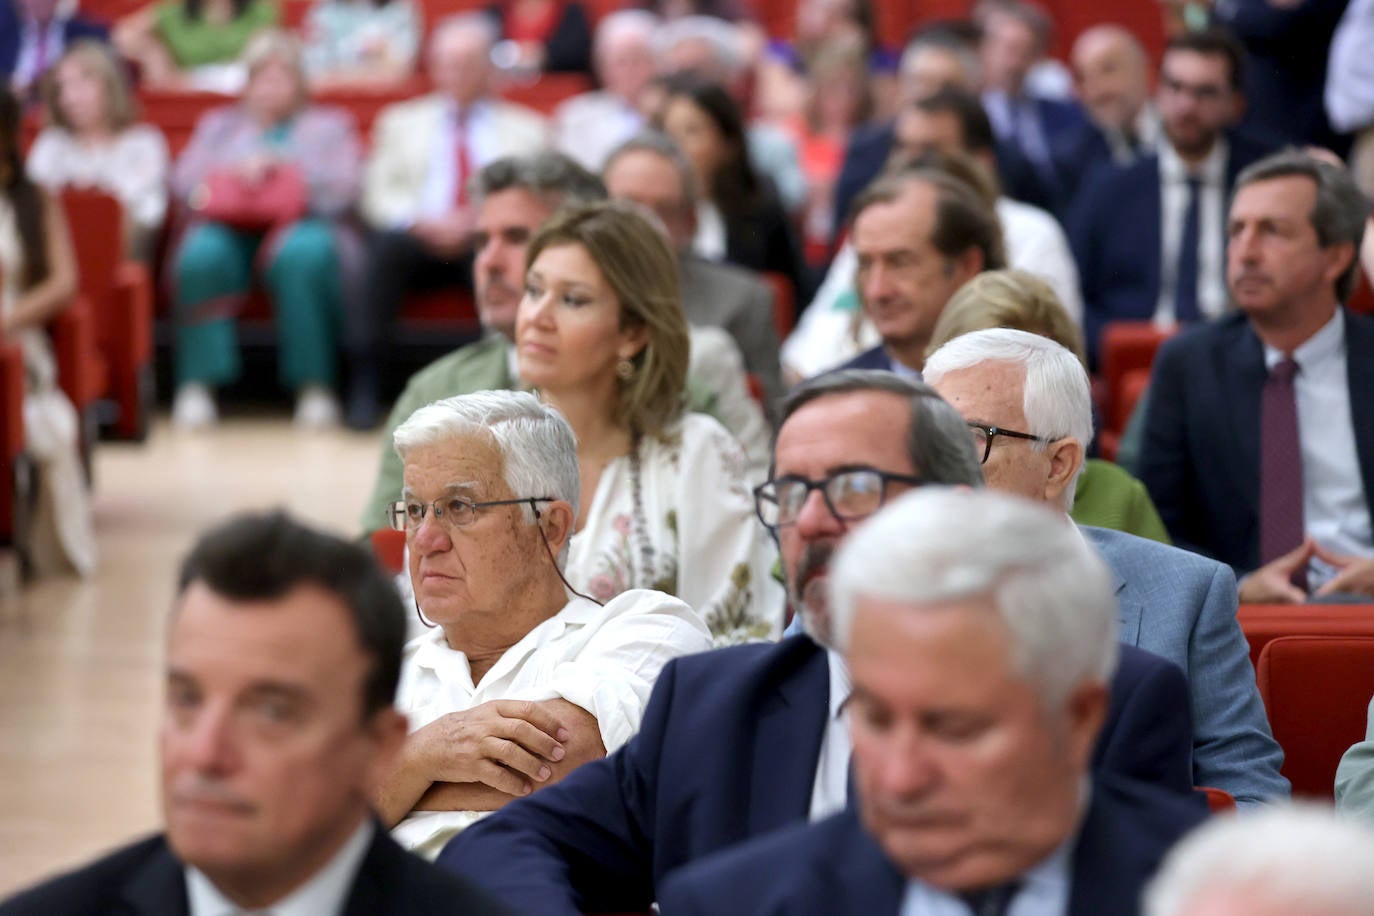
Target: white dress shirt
point(710, 241)
point(1044, 891)
point(830, 792)
point(1334, 509)
point(483, 145)
point(323, 895)
point(603, 659)
point(1211, 255)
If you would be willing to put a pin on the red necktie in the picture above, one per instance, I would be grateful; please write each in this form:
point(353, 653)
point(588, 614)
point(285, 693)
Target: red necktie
point(1281, 521)
point(462, 162)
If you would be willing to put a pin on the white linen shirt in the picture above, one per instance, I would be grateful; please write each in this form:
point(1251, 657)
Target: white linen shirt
point(830, 792)
point(483, 144)
point(1212, 297)
point(324, 894)
point(1334, 509)
point(132, 167)
point(603, 659)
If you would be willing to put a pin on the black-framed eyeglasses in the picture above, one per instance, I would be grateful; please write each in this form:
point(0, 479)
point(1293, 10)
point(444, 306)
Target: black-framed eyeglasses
point(984, 434)
point(849, 495)
point(454, 511)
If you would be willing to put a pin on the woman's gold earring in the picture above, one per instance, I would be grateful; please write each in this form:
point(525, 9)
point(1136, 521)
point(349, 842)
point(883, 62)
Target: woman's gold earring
point(625, 369)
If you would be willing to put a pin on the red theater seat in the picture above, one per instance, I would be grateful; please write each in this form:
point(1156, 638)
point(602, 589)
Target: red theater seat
point(12, 482)
point(1262, 623)
point(1316, 690)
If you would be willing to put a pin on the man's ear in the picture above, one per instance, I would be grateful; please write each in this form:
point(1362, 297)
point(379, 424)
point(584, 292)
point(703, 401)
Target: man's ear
point(969, 264)
point(1338, 258)
point(1066, 457)
point(557, 520)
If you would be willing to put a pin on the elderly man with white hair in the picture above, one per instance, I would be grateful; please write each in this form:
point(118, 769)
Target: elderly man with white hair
point(521, 679)
point(589, 126)
point(980, 636)
point(1297, 858)
point(1028, 406)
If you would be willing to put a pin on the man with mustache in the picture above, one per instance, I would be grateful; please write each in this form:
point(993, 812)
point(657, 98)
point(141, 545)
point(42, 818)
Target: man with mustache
point(979, 633)
point(738, 742)
point(283, 658)
point(1259, 434)
point(1150, 237)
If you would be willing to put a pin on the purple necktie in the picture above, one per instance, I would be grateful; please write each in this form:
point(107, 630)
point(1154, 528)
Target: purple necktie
point(1281, 523)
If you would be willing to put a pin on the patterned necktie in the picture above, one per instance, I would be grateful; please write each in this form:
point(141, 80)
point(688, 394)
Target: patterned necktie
point(991, 901)
point(1281, 522)
point(1185, 279)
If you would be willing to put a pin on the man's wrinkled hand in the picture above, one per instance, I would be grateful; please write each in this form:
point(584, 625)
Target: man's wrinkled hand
point(506, 744)
point(1355, 575)
point(1272, 583)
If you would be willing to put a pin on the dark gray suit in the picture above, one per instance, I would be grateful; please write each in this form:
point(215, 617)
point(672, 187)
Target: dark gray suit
point(736, 300)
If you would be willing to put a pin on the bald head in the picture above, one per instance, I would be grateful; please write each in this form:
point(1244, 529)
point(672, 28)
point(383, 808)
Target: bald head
point(460, 57)
point(1113, 75)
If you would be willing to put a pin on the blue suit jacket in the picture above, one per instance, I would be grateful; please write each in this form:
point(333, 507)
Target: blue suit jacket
point(875, 358)
point(727, 750)
point(834, 868)
point(1115, 232)
point(10, 33)
point(1182, 607)
point(146, 879)
point(1200, 454)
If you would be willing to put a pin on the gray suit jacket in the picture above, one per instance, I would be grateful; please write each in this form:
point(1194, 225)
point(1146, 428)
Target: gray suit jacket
point(1355, 775)
point(736, 300)
point(1182, 607)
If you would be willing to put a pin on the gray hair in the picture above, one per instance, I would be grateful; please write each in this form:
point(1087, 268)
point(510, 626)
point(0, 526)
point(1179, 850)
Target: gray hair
point(625, 23)
point(660, 144)
point(554, 178)
point(1297, 855)
point(939, 544)
point(537, 446)
point(1340, 210)
point(948, 43)
point(938, 439)
point(477, 22)
point(717, 33)
point(1056, 395)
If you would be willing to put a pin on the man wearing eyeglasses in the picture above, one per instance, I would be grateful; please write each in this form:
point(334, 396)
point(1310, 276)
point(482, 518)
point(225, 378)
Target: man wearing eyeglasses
point(1028, 406)
point(741, 741)
point(520, 679)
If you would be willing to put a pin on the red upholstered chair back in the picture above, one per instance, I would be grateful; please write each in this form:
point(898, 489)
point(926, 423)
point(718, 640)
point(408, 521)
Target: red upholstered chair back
point(389, 545)
point(1263, 622)
point(1316, 690)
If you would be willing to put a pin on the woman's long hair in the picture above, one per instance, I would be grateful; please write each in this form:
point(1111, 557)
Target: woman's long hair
point(23, 195)
point(735, 187)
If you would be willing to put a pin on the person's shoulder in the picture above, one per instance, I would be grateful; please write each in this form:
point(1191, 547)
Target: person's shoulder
point(1183, 349)
point(734, 664)
point(1129, 554)
point(639, 602)
point(1031, 217)
point(143, 136)
point(703, 271)
point(512, 115)
point(91, 888)
point(697, 433)
point(457, 365)
point(1152, 808)
point(331, 117)
point(407, 885)
point(420, 106)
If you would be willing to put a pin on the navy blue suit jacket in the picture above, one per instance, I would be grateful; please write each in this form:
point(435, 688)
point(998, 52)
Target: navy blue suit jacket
point(10, 33)
point(1115, 232)
point(146, 879)
point(1201, 451)
point(875, 358)
point(727, 750)
point(834, 867)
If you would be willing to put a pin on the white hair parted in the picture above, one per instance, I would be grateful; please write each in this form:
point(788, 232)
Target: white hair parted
point(718, 34)
point(940, 544)
point(622, 24)
point(1056, 395)
point(1299, 856)
point(537, 446)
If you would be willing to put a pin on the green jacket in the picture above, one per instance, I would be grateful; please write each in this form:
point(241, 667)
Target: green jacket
point(480, 366)
point(1109, 497)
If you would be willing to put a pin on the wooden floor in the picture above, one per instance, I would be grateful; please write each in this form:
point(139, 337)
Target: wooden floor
point(80, 661)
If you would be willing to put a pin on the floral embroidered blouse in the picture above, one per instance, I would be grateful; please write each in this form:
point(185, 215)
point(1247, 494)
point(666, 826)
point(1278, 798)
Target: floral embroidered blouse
point(680, 519)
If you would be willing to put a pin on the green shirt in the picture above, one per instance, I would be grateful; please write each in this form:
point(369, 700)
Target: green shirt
point(1109, 497)
point(480, 366)
point(195, 42)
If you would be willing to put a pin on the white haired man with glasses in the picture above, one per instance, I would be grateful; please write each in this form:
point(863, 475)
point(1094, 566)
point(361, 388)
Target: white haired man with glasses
point(1028, 405)
point(741, 741)
point(519, 680)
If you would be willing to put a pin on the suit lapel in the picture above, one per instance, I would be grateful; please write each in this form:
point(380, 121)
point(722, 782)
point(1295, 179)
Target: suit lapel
point(379, 872)
point(1359, 361)
point(1240, 358)
point(1128, 610)
point(159, 887)
point(787, 743)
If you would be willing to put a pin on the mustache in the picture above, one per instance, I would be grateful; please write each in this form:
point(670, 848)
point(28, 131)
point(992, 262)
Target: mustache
point(206, 790)
point(815, 558)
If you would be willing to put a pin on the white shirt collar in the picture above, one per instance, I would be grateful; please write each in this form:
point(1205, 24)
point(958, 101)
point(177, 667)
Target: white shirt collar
point(1212, 172)
point(1326, 344)
point(325, 893)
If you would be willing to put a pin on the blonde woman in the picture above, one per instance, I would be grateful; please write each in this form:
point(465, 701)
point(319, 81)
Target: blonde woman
point(601, 335)
point(92, 141)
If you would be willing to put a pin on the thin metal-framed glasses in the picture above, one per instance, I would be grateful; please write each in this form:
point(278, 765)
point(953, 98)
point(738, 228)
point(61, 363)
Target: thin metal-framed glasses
point(984, 434)
point(849, 495)
point(455, 511)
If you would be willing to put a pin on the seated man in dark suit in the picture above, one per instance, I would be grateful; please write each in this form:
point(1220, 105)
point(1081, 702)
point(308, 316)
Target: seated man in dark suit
point(1259, 432)
point(282, 665)
point(980, 634)
point(741, 741)
point(918, 235)
point(1173, 603)
point(1150, 238)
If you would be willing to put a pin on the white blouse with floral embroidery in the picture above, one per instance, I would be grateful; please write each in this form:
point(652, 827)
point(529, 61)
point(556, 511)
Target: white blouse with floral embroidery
point(687, 527)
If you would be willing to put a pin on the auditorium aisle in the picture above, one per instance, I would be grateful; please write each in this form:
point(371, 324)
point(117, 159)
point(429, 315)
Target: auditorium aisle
point(80, 662)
